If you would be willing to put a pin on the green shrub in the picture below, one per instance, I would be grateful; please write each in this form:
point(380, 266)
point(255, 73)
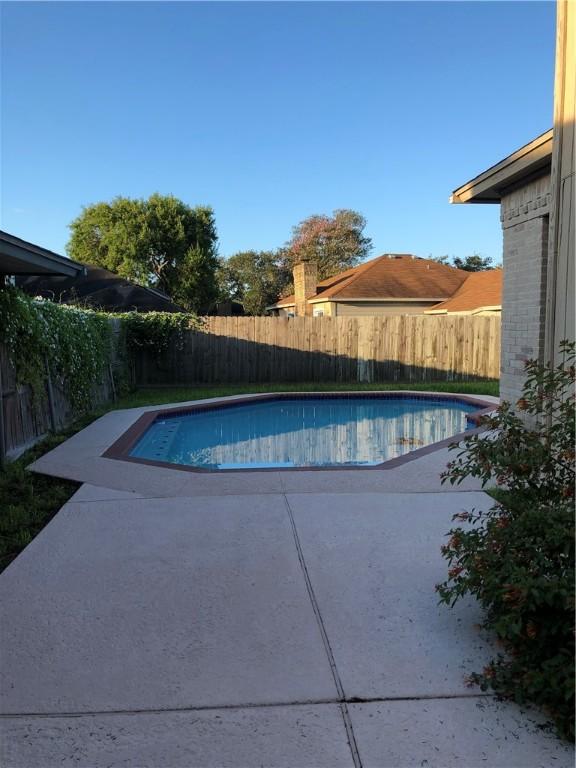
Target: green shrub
point(517, 558)
point(155, 330)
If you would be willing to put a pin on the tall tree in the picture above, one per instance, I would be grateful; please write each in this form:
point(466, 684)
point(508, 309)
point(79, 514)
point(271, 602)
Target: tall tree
point(254, 278)
point(335, 243)
point(472, 263)
point(159, 242)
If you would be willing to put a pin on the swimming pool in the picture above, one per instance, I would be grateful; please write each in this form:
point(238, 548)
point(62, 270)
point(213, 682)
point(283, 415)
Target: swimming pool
point(288, 432)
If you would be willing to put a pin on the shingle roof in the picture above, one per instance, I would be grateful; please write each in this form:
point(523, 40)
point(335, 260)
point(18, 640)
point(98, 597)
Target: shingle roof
point(286, 301)
point(391, 276)
point(481, 289)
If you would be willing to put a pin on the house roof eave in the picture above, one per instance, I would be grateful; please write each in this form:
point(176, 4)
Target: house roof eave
point(19, 257)
point(530, 161)
point(279, 306)
point(376, 300)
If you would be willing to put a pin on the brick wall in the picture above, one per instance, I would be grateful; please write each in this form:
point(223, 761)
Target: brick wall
point(525, 219)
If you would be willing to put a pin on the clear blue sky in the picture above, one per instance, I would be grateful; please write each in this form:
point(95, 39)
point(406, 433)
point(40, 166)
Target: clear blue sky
point(270, 112)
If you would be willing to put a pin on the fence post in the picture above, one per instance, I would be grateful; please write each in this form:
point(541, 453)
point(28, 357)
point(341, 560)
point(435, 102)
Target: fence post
point(112, 384)
point(2, 433)
point(50, 396)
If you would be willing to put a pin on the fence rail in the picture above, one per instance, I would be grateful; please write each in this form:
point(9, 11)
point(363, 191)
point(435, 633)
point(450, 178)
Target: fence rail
point(346, 349)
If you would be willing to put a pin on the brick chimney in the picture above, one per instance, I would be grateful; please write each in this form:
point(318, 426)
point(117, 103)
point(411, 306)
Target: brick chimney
point(305, 281)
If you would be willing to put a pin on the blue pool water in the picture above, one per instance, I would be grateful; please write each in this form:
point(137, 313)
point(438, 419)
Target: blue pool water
point(302, 432)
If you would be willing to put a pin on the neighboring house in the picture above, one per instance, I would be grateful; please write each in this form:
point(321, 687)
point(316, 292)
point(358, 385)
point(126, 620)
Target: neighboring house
point(98, 289)
point(479, 294)
point(392, 284)
point(19, 257)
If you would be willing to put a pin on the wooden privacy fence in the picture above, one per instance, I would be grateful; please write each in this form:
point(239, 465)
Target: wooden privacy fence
point(347, 349)
point(25, 418)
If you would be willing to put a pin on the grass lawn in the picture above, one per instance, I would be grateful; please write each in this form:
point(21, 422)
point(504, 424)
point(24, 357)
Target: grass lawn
point(160, 395)
point(28, 501)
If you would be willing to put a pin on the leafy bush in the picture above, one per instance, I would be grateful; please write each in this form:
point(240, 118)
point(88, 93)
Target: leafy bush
point(155, 330)
point(517, 558)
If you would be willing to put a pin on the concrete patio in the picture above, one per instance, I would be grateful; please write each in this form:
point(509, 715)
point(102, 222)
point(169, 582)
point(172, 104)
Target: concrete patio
point(169, 620)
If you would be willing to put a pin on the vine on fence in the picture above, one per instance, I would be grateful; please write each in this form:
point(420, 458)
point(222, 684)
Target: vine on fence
point(75, 344)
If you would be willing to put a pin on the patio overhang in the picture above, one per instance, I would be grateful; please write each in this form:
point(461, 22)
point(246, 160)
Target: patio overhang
point(529, 162)
point(19, 257)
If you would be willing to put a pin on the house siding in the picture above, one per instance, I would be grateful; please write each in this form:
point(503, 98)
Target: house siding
point(360, 308)
point(369, 308)
point(328, 308)
point(525, 222)
point(283, 311)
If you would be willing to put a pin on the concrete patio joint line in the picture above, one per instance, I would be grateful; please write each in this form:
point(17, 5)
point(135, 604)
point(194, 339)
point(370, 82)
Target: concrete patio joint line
point(325, 640)
point(422, 697)
point(168, 710)
point(245, 705)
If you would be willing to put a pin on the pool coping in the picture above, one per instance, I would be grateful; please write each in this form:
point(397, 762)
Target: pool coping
point(120, 449)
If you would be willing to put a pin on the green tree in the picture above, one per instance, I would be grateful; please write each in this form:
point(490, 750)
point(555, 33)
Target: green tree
point(254, 278)
point(441, 259)
point(159, 242)
point(335, 243)
point(472, 263)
